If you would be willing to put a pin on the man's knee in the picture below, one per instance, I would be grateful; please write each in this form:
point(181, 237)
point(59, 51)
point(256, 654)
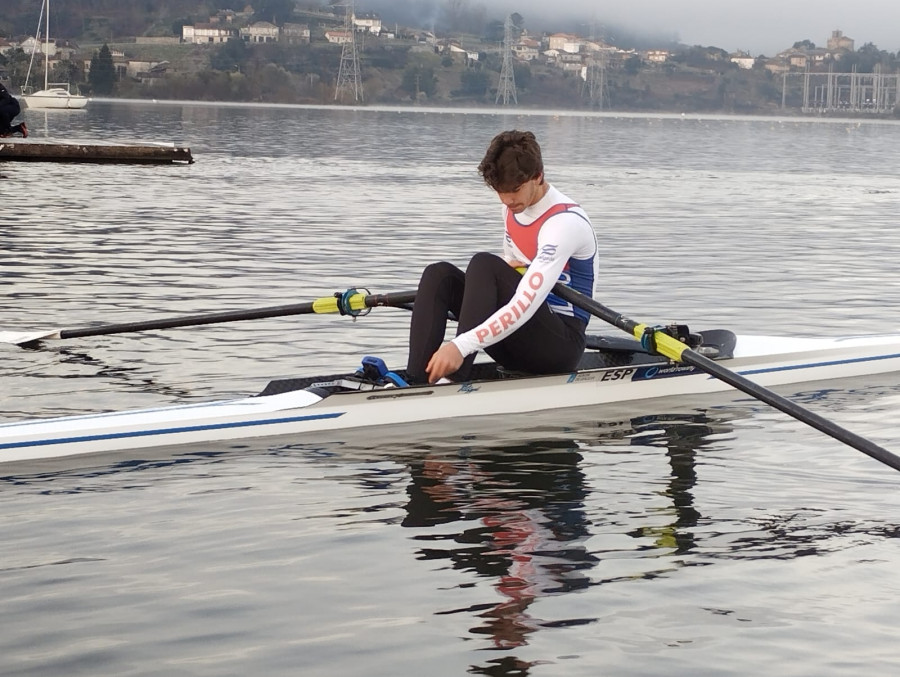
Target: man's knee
point(485, 261)
point(434, 272)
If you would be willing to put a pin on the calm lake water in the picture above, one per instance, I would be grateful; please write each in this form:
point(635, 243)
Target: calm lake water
point(708, 537)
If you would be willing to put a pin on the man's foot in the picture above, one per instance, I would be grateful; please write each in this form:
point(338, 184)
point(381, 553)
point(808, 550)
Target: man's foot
point(24, 129)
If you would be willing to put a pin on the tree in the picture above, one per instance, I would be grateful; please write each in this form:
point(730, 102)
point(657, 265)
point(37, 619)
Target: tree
point(102, 75)
point(419, 79)
point(493, 31)
point(275, 11)
point(230, 56)
point(474, 83)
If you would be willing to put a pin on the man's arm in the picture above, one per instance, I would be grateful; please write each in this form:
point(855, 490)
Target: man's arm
point(555, 246)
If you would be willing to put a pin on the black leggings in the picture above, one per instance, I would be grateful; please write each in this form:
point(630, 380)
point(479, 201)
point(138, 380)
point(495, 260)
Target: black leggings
point(547, 344)
point(9, 109)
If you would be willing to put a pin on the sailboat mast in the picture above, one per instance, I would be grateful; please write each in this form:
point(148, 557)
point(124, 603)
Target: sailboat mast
point(47, 45)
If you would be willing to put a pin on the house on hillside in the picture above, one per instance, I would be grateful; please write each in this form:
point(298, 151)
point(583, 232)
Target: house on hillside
point(66, 49)
point(206, 34)
point(453, 48)
point(656, 55)
point(743, 60)
point(802, 59)
point(367, 21)
point(339, 37)
point(295, 34)
point(259, 32)
point(776, 66)
point(146, 72)
point(32, 46)
point(565, 42)
point(527, 49)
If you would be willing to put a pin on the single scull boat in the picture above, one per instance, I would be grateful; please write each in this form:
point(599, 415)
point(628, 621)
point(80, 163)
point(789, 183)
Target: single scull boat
point(613, 370)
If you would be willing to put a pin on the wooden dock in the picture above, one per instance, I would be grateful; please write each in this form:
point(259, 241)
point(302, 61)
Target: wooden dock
point(75, 151)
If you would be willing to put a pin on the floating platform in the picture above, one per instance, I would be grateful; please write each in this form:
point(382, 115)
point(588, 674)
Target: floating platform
point(108, 152)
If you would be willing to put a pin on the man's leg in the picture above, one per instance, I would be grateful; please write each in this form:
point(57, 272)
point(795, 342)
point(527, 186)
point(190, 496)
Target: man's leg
point(548, 343)
point(440, 290)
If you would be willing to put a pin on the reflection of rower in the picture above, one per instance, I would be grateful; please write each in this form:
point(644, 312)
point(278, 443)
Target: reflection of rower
point(682, 435)
point(522, 519)
point(529, 505)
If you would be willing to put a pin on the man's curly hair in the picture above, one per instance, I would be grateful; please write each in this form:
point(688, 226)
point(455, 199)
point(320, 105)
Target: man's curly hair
point(512, 159)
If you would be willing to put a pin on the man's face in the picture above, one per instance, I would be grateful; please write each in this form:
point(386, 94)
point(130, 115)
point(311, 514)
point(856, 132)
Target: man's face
point(525, 195)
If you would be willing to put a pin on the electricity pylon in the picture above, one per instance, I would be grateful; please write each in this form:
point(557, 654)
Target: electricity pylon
point(349, 81)
point(594, 88)
point(506, 90)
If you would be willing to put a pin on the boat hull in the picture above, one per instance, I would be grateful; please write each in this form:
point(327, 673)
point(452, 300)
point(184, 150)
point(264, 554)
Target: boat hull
point(55, 99)
point(767, 361)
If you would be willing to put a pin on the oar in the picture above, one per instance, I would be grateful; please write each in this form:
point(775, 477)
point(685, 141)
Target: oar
point(676, 350)
point(345, 303)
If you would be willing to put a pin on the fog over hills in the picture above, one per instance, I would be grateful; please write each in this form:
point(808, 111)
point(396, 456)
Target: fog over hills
point(759, 27)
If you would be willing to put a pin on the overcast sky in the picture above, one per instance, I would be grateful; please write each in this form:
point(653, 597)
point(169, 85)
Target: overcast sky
point(756, 26)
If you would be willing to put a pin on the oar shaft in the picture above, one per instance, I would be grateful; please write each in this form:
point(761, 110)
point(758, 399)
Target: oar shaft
point(790, 408)
point(676, 350)
point(328, 304)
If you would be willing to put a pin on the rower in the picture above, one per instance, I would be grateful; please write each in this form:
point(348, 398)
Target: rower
point(513, 317)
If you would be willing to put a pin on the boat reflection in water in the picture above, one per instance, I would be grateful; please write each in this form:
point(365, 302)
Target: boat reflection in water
point(525, 525)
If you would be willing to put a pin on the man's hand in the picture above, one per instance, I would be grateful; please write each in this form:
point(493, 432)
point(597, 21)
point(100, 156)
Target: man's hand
point(444, 362)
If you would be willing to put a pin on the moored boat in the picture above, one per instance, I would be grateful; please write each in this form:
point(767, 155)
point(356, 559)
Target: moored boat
point(54, 95)
point(613, 370)
point(55, 98)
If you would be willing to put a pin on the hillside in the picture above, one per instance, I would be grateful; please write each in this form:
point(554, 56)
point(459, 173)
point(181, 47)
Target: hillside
point(398, 65)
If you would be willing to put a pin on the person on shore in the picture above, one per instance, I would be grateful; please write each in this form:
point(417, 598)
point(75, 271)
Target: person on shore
point(513, 317)
point(9, 109)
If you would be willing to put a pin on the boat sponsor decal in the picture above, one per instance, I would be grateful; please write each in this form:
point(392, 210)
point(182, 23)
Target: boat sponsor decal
point(608, 375)
point(468, 388)
point(663, 371)
point(178, 430)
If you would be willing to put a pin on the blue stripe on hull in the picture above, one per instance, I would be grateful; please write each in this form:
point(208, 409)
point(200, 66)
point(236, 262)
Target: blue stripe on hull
point(164, 431)
point(813, 365)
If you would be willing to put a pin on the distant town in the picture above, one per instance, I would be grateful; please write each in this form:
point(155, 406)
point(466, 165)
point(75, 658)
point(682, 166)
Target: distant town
point(306, 53)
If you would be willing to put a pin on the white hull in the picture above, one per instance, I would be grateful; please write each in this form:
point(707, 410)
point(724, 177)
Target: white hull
point(768, 361)
point(55, 98)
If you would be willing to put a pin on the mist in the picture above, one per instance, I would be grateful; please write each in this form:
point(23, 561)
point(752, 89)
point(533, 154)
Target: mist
point(761, 27)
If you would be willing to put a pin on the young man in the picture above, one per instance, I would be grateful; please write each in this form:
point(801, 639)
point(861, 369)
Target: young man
point(9, 109)
point(513, 317)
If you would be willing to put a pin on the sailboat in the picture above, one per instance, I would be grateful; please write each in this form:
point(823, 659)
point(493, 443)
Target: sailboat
point(54, 94)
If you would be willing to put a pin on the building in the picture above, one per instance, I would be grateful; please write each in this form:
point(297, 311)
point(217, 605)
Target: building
point(656, 55)
point(743, 60)
point(259, 32)
point(367, 22)
point(565, 42)
point(527, 49)
point(339, 37)
point(295, 34)
point(838, 41)
point(205, 34)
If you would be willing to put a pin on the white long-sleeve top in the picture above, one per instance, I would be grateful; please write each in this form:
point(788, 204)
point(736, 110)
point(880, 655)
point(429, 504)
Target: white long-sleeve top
point(556, 238)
